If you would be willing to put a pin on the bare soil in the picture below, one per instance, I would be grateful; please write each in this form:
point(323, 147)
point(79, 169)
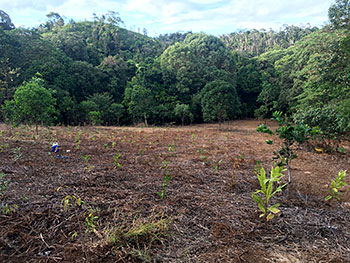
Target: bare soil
point(207, 214)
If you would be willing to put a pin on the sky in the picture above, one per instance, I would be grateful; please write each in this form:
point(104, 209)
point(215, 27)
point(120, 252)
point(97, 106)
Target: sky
point(214, 17)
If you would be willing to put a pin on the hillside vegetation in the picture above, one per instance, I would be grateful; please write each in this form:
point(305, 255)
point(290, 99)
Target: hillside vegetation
point(101, 73)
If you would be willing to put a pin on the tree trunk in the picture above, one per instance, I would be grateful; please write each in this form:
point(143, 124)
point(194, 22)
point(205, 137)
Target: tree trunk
point(289, 172)
point(145, 116)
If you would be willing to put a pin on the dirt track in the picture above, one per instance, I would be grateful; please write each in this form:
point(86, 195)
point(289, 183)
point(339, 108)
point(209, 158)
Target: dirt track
point(205, 215)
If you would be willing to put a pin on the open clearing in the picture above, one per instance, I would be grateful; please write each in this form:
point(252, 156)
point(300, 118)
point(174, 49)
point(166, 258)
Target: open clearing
point(207, 214)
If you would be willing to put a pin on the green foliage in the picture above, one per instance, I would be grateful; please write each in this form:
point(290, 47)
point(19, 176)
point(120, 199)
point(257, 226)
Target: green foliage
point(333, 123)
point(171, 147)
point(32, 104)
point(187, 67)
point(216, 166)
point(183, 112)
point(17, 154)
point(80, 209)
point(116, 157)
point(219, 101)
point(90, 221)
point(5, 21)
point(95, 117)
point(256, 42)
point(339, 14)
point(249, 83)
point(86, 158)
point(290, 133)
point(3, 184)
point(138, 100)
point(336, 185)
point(9, 209)
point(104, 74)
point(267, 190)
point(71, 201)
point(166, 179)
point(116, 111)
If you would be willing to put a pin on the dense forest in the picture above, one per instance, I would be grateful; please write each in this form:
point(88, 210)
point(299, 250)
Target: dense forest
point(97, 72)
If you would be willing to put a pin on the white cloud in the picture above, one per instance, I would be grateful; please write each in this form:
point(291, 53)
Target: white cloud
point(165, 16)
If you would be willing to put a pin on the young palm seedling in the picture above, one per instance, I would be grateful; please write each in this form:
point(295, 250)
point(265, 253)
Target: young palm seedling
point(90, 221)
point(216, 165)
point(77, 140)
point(171, 147)
point(9, 209)
point(337, 184)
point(3, 184)
point(116, 160)
point(17, 154)
point(86, 158)
point(263, 195)
point(166, 179)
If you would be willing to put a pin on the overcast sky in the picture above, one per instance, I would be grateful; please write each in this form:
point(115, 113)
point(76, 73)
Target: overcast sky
point(167, 16)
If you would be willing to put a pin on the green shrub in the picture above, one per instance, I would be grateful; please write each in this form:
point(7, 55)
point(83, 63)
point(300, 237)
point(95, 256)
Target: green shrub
point(290, 133)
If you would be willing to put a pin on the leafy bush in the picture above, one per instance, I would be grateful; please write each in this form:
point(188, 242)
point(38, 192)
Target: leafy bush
point(334, 123)
point(290, 133)
point(32, 104)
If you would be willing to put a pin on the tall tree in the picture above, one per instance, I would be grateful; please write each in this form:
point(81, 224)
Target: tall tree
point(220, 101)
point(188, 66)
point(32, 104)
point(339, 14)
point(139, 102)
point(5, 21)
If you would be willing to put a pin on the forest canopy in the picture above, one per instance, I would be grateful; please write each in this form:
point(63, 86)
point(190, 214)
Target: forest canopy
point(98, 72)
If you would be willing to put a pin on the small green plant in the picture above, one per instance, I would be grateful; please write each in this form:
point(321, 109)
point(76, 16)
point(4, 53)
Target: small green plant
point(216, 165)
point(263, 195)
point(9, 209)
point(17, 154)
point(86, 158)
point(337, 184)
point(73, 234)
point(70, 201)
point(171, 147)
point(75, 206)
point(113, 144)
point(116, 157)
point(3, 184)
point(106, 146)
point(289, 133)
point(25, 197)
point(77, 140)
point(77, 137)
point(90, 221)
point(341, 150)
point(167, 178)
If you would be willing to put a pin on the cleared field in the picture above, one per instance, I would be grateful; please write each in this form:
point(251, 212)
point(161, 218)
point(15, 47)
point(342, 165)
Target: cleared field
point(98, 201)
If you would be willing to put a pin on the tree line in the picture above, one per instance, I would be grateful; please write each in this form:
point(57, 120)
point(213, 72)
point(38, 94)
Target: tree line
point(97, 72)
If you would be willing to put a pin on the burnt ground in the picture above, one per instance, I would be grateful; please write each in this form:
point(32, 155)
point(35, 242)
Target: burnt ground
point(69, 210)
